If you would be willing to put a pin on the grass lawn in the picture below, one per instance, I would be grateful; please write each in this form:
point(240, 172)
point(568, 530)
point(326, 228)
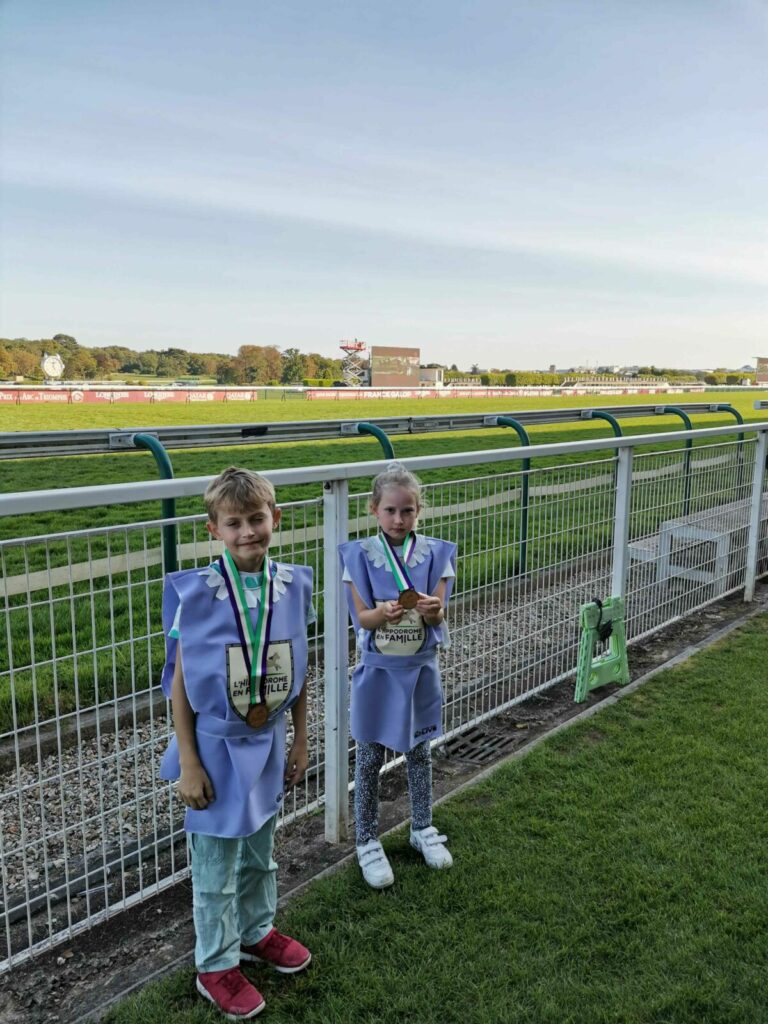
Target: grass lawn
point(43, 416)
point(616, 875)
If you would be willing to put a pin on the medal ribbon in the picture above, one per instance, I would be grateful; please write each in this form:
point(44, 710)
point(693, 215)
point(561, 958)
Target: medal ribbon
point(254, 641)
point(398, 567)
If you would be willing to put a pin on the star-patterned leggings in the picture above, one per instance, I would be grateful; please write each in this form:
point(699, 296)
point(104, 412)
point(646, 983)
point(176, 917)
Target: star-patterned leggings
point(368, 762)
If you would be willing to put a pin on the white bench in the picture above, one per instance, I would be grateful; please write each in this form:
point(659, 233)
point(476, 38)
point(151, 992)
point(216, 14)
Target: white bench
point(718, 526)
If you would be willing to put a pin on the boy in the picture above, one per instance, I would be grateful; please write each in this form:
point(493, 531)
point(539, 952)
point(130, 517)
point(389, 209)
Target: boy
point(236, 661)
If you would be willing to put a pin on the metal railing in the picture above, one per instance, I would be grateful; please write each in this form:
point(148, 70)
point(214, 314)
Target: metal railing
point(36, 443)
point(87, 828)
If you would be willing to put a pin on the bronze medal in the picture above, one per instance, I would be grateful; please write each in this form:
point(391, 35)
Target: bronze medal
point(408, 598)
point(257, 715)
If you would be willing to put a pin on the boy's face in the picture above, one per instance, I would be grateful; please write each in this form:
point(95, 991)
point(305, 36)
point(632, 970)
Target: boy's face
point(246, 533)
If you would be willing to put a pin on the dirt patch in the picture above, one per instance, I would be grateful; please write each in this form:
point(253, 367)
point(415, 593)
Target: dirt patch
point(75, 981)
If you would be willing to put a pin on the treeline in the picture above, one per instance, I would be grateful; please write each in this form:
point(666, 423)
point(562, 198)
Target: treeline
point(532, 378)
point(267, 365)
point(253, 364)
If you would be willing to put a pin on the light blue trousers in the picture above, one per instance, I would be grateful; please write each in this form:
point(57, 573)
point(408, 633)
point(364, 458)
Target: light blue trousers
point(234, 894)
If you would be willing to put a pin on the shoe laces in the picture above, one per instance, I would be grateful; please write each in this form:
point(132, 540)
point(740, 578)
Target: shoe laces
point(276, 940)
point(233, 981)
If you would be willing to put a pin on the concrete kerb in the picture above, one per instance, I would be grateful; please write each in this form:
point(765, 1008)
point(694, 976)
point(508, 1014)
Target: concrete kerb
point(188, 958)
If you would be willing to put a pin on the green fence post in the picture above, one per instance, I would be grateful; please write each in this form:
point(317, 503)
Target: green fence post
point(168, 505)
point(378, 433)
point(673, 410)
point(601, 414)
point(724, 407)
point(522, 433)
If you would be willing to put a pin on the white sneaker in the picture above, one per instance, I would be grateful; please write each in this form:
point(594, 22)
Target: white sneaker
point(374, 865)
point(429, 843)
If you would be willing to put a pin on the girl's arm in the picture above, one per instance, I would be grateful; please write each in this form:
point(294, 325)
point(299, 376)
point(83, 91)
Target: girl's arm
point(298, 757)
point(374, 618)
point(431, 608)
point(194, 787)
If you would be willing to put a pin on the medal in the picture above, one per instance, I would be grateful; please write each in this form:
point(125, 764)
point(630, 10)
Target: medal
point(257, 715)
point(254, 641)
point(408, 595)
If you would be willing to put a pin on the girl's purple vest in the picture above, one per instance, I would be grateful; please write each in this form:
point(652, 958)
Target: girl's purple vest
point(246, 766)
point(396, 700)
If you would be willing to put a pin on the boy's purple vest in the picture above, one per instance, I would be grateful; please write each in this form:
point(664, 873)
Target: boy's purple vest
point(396, 700)
point(246, 766)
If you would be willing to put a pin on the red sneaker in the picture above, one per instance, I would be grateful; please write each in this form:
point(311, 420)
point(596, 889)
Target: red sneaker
point(279, 951)
point(231, 992)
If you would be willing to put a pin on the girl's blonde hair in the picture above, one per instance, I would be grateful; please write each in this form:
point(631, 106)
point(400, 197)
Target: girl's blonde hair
point(239, 489)
point(395, 475)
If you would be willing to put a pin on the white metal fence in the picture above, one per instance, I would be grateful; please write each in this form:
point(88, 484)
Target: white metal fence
point(87, 828)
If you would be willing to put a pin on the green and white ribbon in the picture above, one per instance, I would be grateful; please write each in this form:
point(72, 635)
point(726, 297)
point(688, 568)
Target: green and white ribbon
point(254, 640)
point(398, 566)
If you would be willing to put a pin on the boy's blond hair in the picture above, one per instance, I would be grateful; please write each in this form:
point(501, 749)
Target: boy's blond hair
point(238, 489)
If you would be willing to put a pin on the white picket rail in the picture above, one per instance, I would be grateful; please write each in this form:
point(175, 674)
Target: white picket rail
point(86, 827)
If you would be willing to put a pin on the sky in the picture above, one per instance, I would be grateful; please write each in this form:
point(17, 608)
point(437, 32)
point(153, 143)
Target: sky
point(510, 184)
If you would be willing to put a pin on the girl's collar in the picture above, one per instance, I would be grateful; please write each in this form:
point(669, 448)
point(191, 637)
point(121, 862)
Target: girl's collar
point(374, 551)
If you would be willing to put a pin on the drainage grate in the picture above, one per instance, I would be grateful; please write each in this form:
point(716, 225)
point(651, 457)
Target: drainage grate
point(476, 746)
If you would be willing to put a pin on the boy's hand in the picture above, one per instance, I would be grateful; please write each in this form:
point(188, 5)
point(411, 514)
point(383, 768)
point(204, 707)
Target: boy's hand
point(194, 788)
point(296, 764)
point(393, 611)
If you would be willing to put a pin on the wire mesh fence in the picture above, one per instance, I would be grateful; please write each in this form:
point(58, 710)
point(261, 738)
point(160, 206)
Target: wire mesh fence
point(87, 828)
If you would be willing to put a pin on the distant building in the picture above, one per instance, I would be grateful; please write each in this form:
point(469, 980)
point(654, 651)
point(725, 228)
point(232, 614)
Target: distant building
point(431, 377)
point(394, 367)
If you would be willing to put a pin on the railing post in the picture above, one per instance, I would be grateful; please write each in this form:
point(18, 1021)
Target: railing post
point(381, 437)
point(621, 523)
point(755, 516)
point(168, 505)
point(674, 410)
point(336, 660)
point(522, 433)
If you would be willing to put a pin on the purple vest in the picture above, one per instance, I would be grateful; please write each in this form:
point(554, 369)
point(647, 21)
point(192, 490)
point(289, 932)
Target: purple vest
point(246, 766)
point(396, 696)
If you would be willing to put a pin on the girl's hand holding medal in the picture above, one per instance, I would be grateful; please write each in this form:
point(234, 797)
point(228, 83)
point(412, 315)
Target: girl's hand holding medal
point(429, 607)
point(392, 611)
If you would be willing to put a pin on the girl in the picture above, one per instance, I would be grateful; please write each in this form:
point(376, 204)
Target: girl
point(398, 584)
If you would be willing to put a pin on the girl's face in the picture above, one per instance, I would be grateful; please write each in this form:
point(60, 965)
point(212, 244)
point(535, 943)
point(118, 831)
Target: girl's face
point(397, 512)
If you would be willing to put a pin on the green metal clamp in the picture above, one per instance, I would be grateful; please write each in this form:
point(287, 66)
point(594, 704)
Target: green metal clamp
point(601, 622)
point(168, 505)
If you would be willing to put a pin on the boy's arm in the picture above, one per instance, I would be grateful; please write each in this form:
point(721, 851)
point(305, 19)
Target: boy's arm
point(374, 618)
point(194, 787)
point(298, 756)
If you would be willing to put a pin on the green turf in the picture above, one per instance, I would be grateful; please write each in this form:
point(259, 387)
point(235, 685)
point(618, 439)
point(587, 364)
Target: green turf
point(616, 874)
point(50, 417)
